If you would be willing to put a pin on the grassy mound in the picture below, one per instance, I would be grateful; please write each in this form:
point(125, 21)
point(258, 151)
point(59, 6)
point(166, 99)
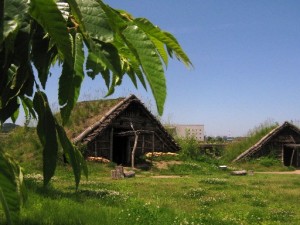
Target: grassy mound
point(24, 146)
point(87, 113)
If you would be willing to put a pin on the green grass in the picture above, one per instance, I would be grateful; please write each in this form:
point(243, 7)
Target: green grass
point(262, 164)
point(195, 198)
point(23, 144)
point(199, 193)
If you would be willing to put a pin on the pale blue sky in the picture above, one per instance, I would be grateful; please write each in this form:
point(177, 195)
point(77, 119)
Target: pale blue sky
point(246, 57)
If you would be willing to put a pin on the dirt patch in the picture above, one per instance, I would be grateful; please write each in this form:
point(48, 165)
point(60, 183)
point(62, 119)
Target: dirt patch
point(286, 172)
point(168, 176)
point(165, 164)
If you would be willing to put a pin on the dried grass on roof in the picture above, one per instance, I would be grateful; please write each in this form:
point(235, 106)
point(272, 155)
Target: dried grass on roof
point(87, 113)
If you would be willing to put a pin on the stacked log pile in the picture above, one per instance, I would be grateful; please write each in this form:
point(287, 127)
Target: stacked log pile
point(158, 154)
point(97, 159)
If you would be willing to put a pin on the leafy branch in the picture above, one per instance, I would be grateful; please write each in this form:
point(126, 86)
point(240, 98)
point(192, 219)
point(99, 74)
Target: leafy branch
point(76, 34)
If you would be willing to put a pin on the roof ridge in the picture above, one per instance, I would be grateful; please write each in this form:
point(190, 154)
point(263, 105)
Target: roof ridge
point(109, 112)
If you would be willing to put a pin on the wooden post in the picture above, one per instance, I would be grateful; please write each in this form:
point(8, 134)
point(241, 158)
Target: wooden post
point(128, 150)
point(282, 154)
point(153, 144)
point(297, 154)
point(113, 174)
point(118, 173)
point(143, 145)
point(136, 136)
point(111, 144)
point(292, 157)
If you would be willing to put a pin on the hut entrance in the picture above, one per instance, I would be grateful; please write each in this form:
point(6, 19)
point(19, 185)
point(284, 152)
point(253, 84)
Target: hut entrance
point(120, 149)
point(291, 155)
point(126, 145)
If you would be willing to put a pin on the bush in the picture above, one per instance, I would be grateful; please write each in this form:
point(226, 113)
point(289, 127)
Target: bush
point(189, 148)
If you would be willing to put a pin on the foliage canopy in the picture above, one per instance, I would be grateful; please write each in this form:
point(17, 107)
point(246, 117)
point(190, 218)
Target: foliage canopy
point(87, 38)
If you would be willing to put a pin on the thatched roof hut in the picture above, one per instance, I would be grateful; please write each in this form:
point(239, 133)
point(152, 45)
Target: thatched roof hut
point(282, 142)
point(111, 128)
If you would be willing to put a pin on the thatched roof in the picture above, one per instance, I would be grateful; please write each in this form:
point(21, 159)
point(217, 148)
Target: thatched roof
point(102, 117)
point(87, 113)
point(263, 141)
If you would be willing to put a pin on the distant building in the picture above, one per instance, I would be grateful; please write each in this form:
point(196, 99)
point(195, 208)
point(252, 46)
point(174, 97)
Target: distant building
point(184, 131)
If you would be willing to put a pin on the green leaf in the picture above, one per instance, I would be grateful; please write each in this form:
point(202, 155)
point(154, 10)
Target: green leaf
point(161, 50)
point(8, 110)
point(15, 115)
point(47, 134)
point(150, 61)
point(5, 207)
point(76, 13)
point(19, 76)
point(173, 45)
point(28, 106)
point(21, 83)
point(73, 154)
point(79, 56)
point(116, 81)
point(94, 66)
point(95, 20)
point(112, 55)
point(114, 18)
point(14, 13)
point(133, 65)
point(168, 39)
point(26, 111)
point(100, 56)
point(50, 18)
point(70, 81)
point(25, 78)
point(132, 77)
point(102, 59)
point(40, 54)
point(12, 192)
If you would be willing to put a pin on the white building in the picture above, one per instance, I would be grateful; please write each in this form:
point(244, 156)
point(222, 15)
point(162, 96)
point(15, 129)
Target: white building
point(184, 131)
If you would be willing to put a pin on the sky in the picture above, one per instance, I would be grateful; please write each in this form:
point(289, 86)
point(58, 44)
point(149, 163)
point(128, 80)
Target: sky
point(246, 63)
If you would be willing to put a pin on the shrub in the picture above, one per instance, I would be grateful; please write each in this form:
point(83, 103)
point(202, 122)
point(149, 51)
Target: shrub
point(189, 148)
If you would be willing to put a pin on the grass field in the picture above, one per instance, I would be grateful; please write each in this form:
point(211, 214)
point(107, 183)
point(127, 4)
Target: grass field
point(191, 191)
point(188, 193)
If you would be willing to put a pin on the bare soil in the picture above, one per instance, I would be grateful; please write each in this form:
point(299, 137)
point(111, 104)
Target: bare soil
point(168, 176)
point(287, 172)
point(165, 164)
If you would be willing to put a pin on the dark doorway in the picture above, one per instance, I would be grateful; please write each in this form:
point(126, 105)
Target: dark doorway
point(290, 157)
point(120, 149)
